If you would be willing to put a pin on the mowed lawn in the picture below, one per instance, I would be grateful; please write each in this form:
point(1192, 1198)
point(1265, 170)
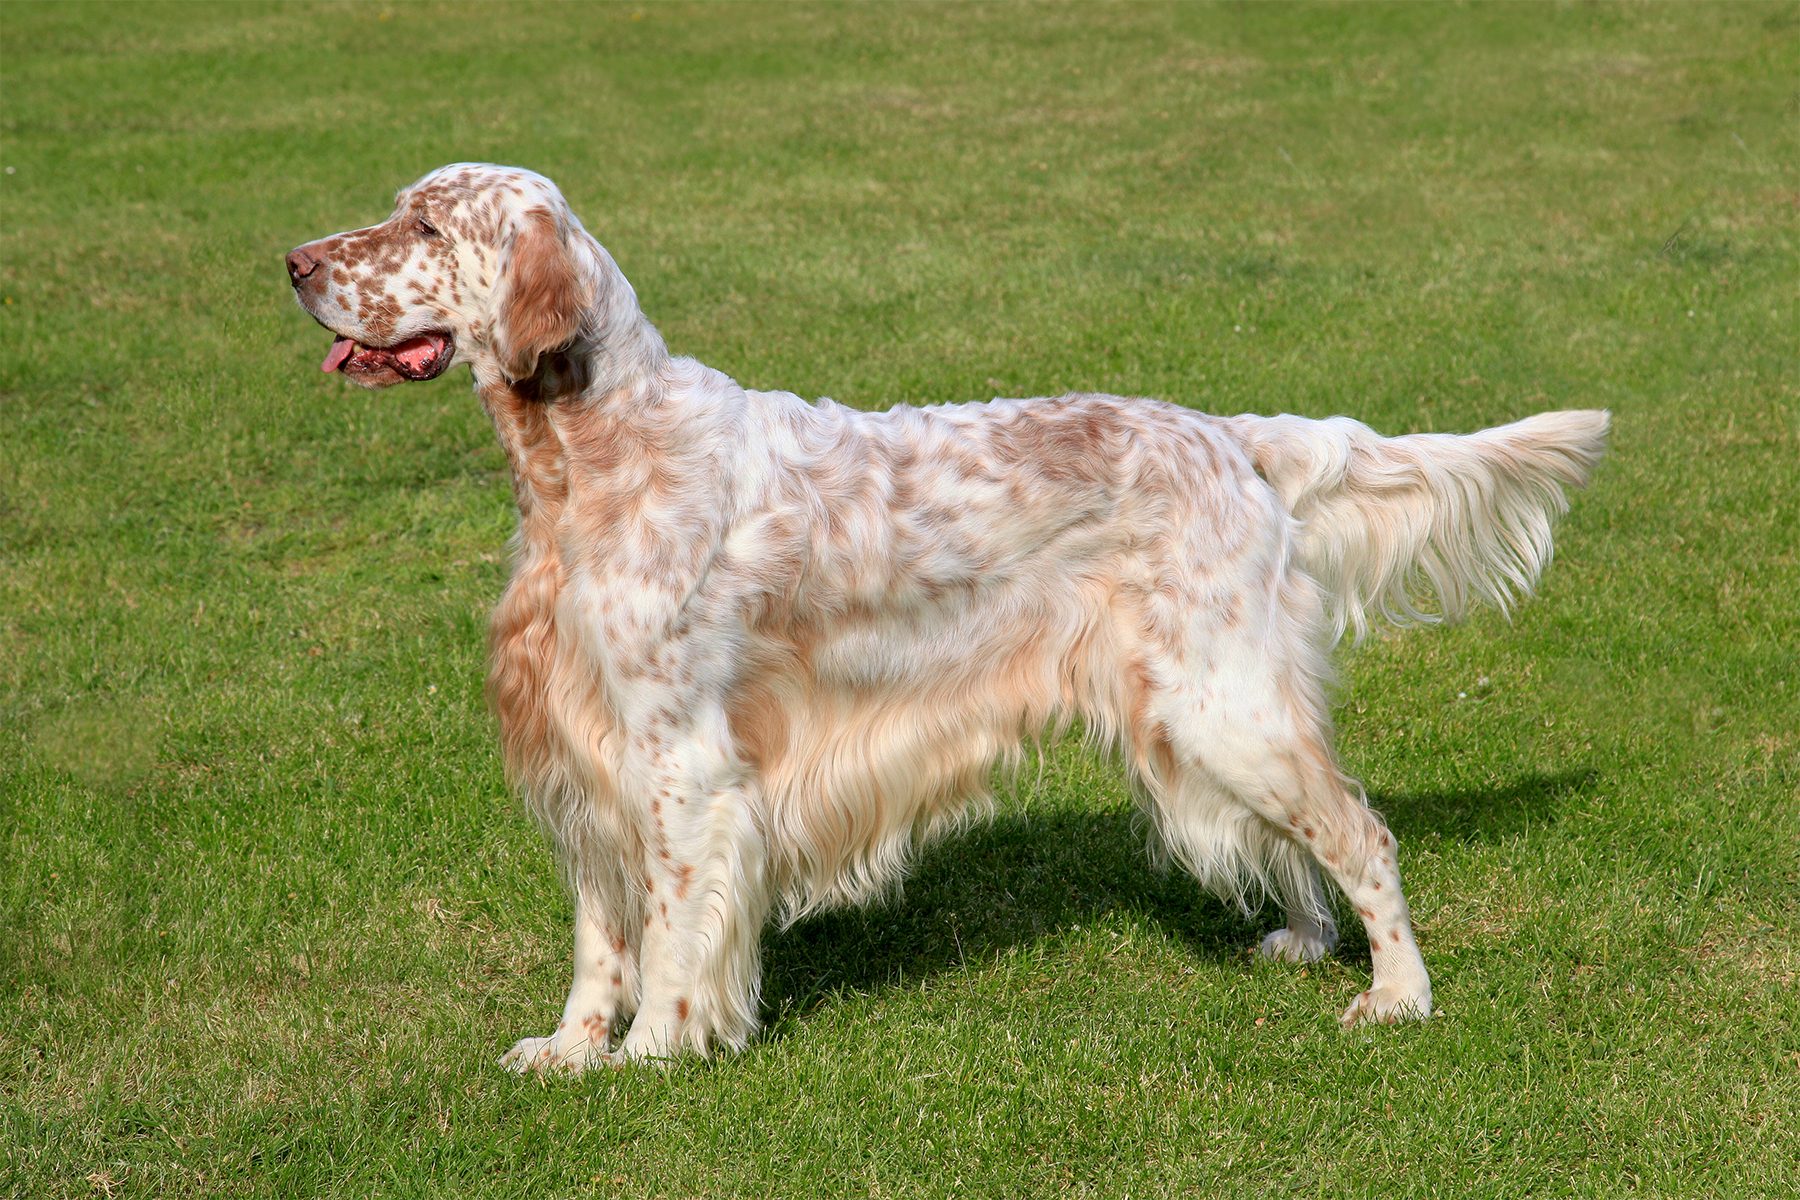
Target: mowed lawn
point(267, 913)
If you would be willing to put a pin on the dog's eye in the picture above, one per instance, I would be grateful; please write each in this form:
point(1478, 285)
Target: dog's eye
point(426, 227)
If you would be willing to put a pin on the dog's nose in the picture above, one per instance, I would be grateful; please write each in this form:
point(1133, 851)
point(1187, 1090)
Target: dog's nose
point(300, 264)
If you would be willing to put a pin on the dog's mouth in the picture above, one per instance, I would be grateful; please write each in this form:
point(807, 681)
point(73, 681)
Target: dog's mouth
point(417, 358)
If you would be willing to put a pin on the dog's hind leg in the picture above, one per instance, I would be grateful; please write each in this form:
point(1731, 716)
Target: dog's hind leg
point(1247, 789)
point(1291, 802)
point(1310, 933)
point(1239, 856)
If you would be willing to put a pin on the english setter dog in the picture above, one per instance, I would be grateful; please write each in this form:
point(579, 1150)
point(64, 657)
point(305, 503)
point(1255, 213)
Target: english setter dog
point(756, 649)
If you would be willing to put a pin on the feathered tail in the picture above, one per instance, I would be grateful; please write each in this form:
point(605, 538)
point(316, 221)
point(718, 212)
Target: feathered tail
point(1387, 522)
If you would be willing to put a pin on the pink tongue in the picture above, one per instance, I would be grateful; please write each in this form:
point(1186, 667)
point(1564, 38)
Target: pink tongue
point(334, 358)
point(417, 354)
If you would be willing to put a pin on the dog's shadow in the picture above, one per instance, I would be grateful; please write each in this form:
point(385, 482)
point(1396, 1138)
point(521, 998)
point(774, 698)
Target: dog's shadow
point(1484, 814)
point(1026, 876)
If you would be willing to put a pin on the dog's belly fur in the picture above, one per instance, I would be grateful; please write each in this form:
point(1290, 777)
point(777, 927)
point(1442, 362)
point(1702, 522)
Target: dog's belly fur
point(858, 766)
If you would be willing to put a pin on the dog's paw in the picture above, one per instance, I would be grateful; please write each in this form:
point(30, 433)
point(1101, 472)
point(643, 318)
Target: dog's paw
point(1386, 1004)
point(1289, 945)
point(529, 1054)
point(554, 1053)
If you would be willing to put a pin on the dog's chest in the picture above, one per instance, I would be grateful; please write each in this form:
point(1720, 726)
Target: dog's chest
point(545, 690)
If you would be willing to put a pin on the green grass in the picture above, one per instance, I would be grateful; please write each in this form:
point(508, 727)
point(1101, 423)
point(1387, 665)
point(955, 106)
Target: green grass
point(270, 916)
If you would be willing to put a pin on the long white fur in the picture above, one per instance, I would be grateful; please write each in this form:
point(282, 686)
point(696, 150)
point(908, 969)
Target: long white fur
point(1389, 523)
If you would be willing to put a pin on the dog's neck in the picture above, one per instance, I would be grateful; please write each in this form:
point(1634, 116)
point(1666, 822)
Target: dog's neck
point(612, 372)
point(534, 456)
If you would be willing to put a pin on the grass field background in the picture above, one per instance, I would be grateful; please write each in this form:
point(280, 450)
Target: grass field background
point(269, 915)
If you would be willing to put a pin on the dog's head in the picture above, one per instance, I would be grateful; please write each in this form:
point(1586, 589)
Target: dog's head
point(478, 264)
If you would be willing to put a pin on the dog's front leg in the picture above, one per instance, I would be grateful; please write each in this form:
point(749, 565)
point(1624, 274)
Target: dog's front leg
point(706, 899)
point(601, 999)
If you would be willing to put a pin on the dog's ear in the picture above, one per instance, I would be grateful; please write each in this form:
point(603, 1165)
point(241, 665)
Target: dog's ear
point(542, 297)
